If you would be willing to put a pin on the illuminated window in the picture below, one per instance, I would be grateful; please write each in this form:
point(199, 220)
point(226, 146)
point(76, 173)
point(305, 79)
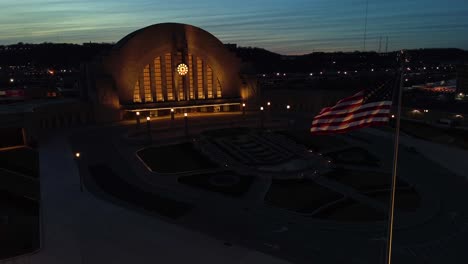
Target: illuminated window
point(158, 79)
point(169, 83)
point(180, 82)
point(136, 93)
point(190, 63)
point(209, 81)
point(201, 94)
point(218, 89)
point(147, 84)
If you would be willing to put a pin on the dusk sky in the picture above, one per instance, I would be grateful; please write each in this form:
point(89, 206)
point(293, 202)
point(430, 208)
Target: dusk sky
point(287, 27)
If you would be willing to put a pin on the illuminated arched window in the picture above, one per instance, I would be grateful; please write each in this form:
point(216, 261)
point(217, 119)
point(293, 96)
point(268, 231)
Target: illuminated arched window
point(158, 79)
point(209, 81)
point(169, 82)
point(218, 89)
point(147, 84)
point(136, 92)
point(201, 92)
point(191, 88)
point(201, 82)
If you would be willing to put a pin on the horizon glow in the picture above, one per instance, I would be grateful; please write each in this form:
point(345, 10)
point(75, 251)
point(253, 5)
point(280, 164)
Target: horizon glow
point(294, 27)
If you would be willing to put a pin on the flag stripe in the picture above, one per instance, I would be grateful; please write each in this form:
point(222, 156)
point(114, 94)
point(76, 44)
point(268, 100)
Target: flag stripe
point(357, 109)
point(344, 105)
point(328, 132)
point(350, 124)
point(380, 112)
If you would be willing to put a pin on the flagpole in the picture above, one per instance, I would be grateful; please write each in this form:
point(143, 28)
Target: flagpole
point(395, 162)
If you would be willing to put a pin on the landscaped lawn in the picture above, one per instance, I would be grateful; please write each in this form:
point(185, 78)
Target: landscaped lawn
point(175, 158)
point(19, 206)
point(350, 210)
point(363, 180)
point(111, 183)
point(303, 196)
point(315, 142)
point(222, 182)
point(21, 160)
point(19, 225)
point(354, 156)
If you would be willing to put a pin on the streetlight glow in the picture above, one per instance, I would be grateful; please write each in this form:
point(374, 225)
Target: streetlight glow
point(288, 106)
point(185, 114)
point(261, 108)
point(172, 109)
point(243, 105)
point(12, 80)
point(77, 154)
point(137, 113)
point(268, 103)
point(148, 118)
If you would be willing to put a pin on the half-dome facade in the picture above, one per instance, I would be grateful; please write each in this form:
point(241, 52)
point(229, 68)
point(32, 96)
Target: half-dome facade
point(166, 66)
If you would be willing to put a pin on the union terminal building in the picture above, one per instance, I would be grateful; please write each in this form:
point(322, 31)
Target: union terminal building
point(163, 67)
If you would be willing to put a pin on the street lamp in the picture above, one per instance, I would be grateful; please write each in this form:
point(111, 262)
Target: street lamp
point(262, 116)
point(12, 80)
point(148, 127)
point(172, 113)
point(77, 156)
point(137, 119)
point(243, 109)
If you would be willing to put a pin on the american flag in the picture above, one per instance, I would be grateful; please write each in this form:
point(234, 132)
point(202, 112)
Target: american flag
point(365, 108)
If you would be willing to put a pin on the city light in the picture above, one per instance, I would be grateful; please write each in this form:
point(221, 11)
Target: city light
point(148, 118)
point(261, 108)
point(311, 74)
point(288, 106)
point(345, 73)
point(243, 105)
point(12, 80)
point(185, 114)
point(321, 73)
point(372, 70)
point(393, 116)
point(137, 113)
point(172, 110)
point(77, 154)
point(268, 103)
point(426, 111)
point(278, 74)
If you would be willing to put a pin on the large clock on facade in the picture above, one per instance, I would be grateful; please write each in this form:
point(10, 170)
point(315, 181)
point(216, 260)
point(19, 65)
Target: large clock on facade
point(182, 69)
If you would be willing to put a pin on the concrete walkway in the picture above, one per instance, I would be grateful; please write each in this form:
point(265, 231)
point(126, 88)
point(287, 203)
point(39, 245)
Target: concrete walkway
point(79, 228)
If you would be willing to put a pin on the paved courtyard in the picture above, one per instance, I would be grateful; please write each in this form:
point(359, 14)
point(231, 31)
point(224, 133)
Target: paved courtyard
point(252, 204)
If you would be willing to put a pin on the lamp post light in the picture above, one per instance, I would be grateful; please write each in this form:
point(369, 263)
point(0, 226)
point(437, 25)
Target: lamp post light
point(288, 108)
point(262, 116)
point(172, 113)
point(243, 109)
point(269, 109)
point(77, 157)
point(186, 124)
point(148, 127)
point(137, 116)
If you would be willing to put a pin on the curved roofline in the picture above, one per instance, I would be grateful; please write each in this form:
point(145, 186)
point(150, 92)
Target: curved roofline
point(128, 37)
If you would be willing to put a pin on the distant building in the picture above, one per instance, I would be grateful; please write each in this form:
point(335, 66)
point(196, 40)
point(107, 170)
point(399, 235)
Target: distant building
point(462, 79)
point(162, 67)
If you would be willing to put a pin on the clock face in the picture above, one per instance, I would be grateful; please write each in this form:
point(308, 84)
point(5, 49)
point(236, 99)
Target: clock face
point(182, 69)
